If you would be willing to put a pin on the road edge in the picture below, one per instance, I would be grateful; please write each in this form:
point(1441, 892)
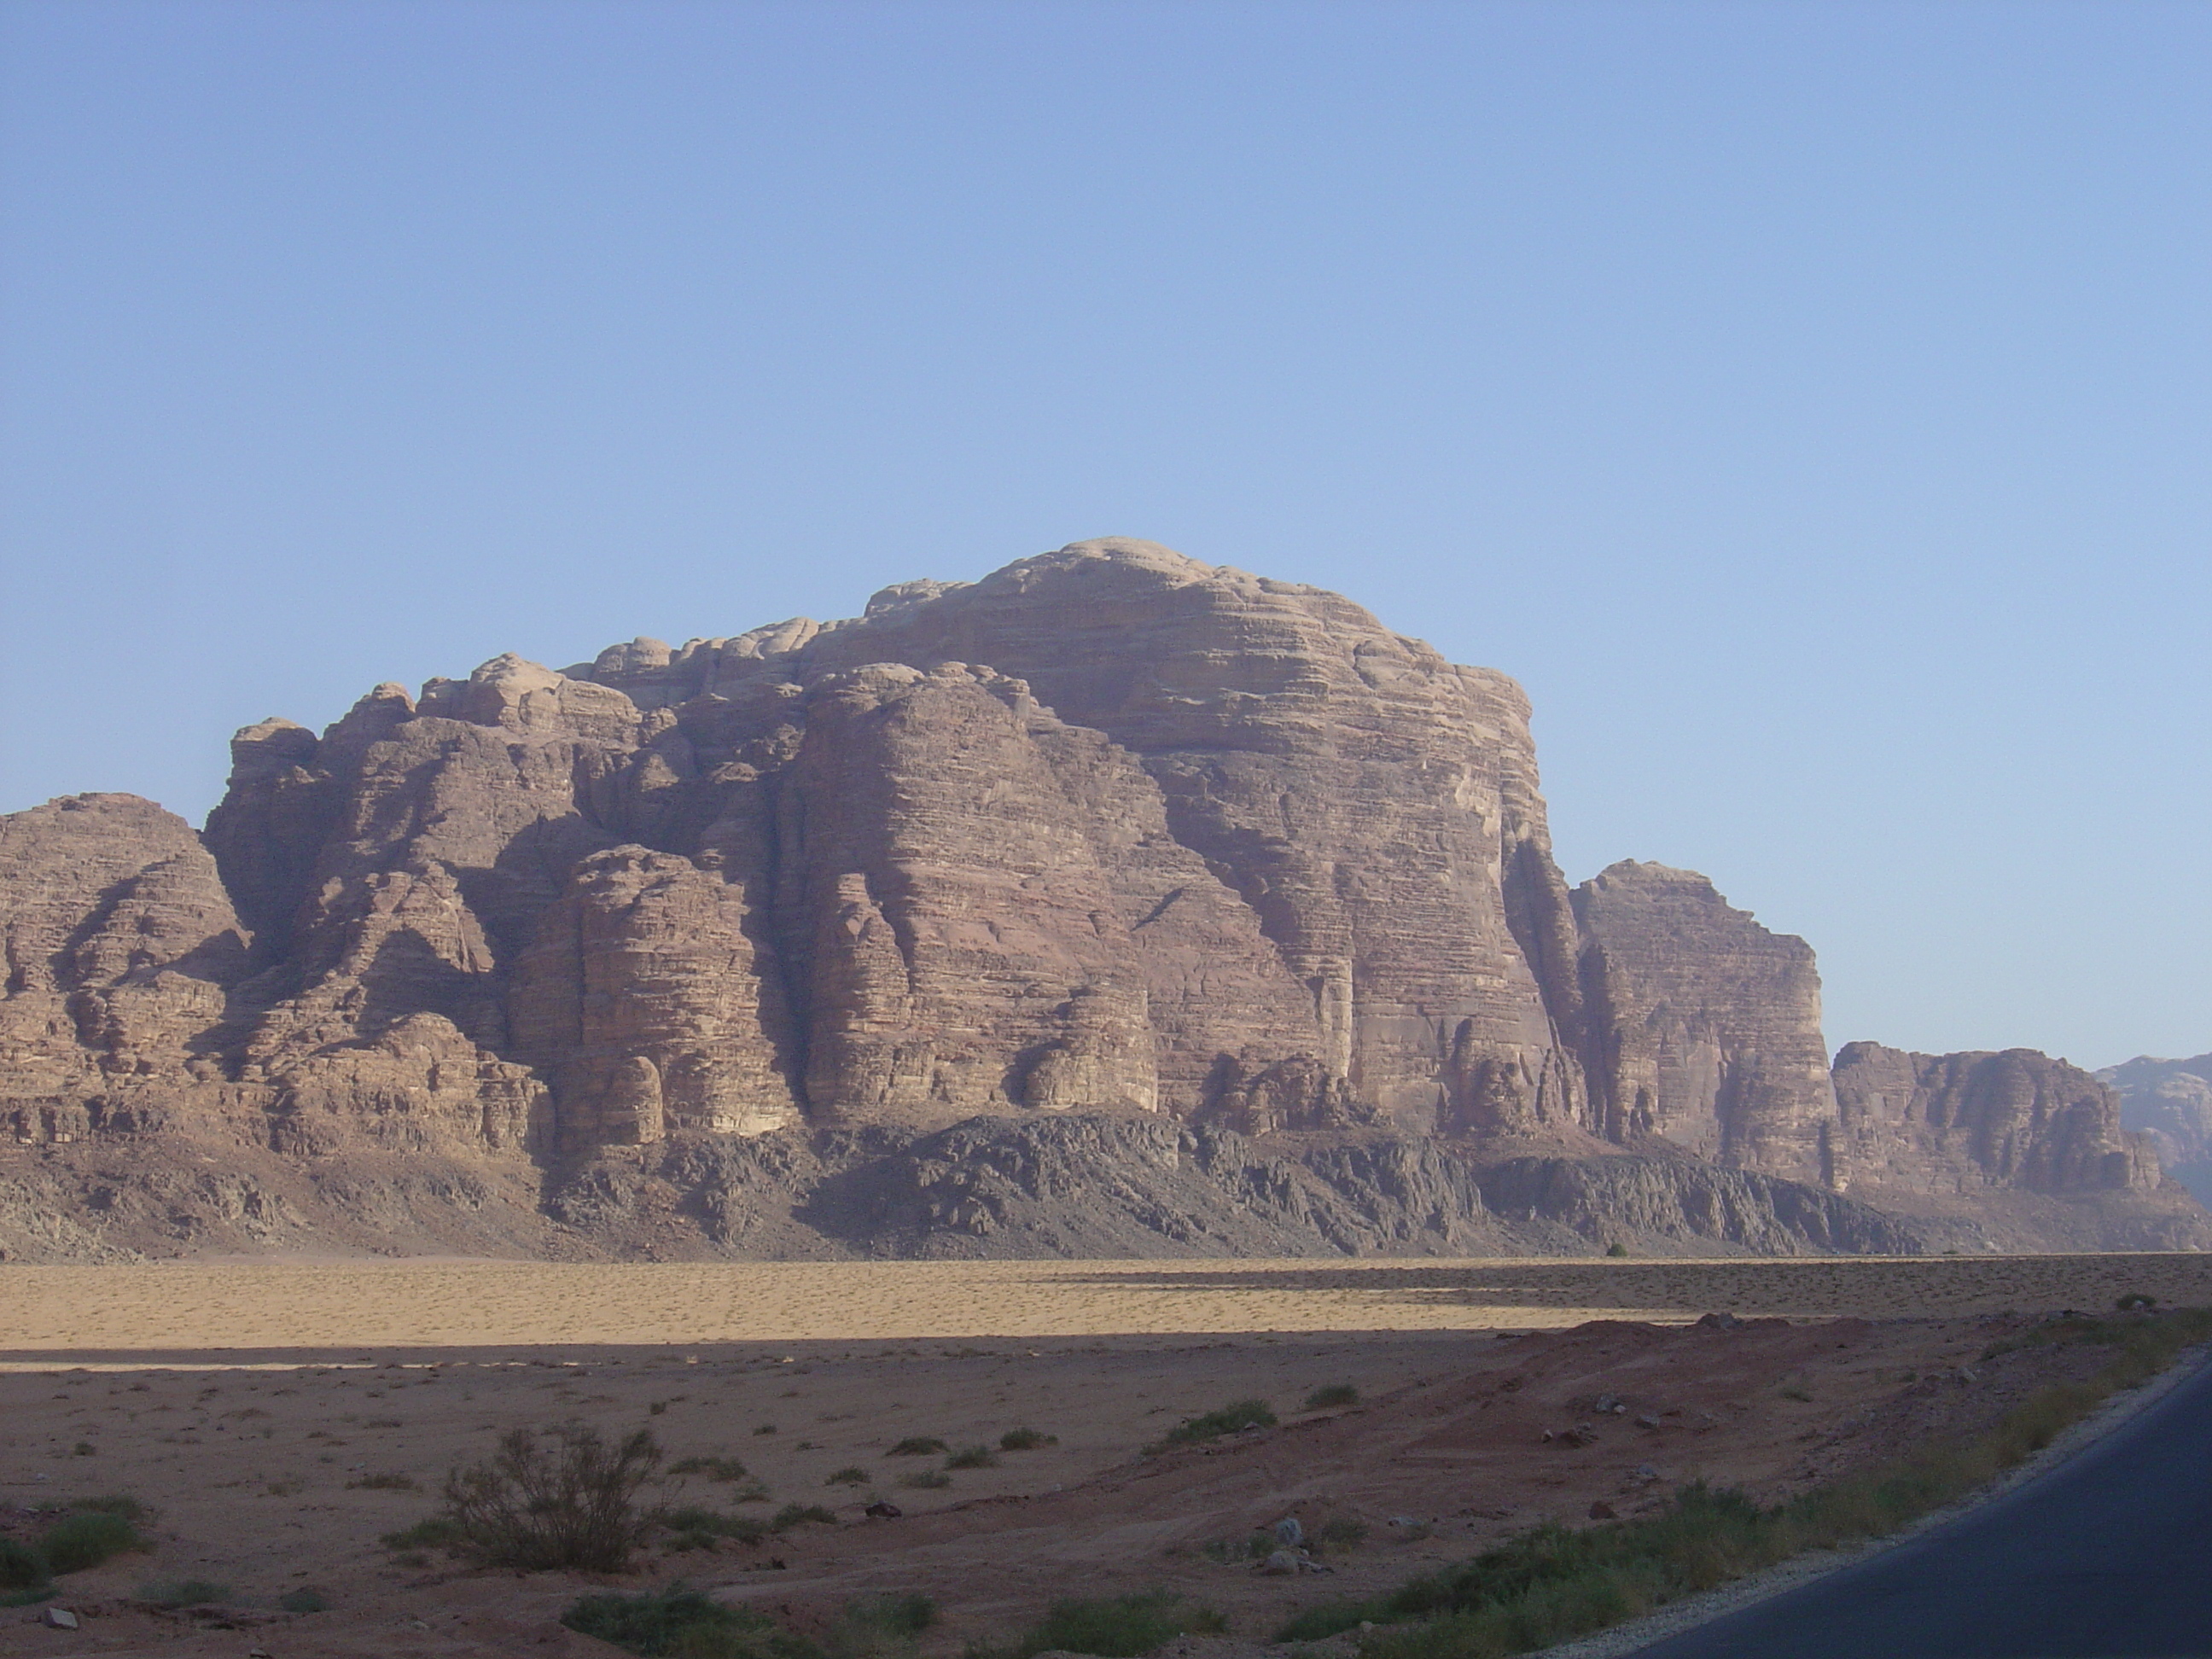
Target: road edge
point(1620, 1640)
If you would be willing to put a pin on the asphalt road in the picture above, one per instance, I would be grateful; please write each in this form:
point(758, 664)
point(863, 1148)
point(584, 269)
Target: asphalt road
point(2108, 1556)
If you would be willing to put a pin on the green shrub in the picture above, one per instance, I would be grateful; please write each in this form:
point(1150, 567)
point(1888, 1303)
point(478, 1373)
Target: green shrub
point(898, 1615)
point(1336, 1394)
point(798, 1515)
point(304, 1600)
point(121, 1503)
point(850, 1476)
point(383, 1483)
point(681, 1621)
point(1237, 1415)
point(972, 1457)
point(22, 1567)
point(926, 1480)
point(86, 1539)
point(1116, 1627)
point(1025, 1440)
point(916, 1445)
point(1616, 1248)
point(568, 1500)
point(1340, 1532)
point(429, 1534)
point(184, 1592)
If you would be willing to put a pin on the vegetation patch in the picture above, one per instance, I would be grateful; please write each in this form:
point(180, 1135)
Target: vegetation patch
point(86, 1538)
point(1336, 1395)
point(681, 1621)
point(973, 1457)
point(383, 1482)
point(917, 1445)
point(695, 1529)
point(1025, 1440)
point(850, 1476)
point(1232, 1419)
point(800, 1515)
point(563, 1499)
point(1553, 1583)
point(926, 1480)
point(22, 1567)
point(304, 1600)
point(1114, 1627)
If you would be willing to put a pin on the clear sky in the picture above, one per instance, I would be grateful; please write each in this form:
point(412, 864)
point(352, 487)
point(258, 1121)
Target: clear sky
point(1807, 401)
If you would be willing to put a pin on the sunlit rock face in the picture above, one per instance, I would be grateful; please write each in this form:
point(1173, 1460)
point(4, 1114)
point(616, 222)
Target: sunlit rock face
point(1109, 836)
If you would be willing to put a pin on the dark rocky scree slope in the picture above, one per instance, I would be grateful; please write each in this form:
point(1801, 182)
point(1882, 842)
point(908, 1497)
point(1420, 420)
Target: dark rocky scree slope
point(1115, 904)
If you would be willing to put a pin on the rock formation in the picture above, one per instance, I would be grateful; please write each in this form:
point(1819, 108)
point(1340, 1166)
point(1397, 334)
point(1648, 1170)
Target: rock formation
point(1206, 892)
point(2169, 1102)
point(1704, 1028)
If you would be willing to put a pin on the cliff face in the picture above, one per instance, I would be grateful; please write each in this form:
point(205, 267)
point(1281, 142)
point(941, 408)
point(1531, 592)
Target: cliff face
point(1704, 1028)
point(1110, 831)
point(2169, 1103)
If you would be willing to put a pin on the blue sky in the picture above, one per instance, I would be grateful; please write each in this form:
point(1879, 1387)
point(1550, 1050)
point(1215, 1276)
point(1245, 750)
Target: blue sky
point(1807, 402)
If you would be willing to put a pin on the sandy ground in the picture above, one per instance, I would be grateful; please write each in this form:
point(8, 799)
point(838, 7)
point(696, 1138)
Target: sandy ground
point(245, 1402)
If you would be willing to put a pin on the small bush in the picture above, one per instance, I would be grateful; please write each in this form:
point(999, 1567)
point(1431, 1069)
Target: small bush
point(22, 1567)
point(1230, 1419)
point(1336, 1394)
point(972, 1457)
point(896, 1615)
point(681, 1621)
point(571, 1503)
point(916, 1445)
point(850, 1476)
point(1339, 1534)
point(1795, 1392)
point(86, 1539)
point(1616, 1248)
point(304, 1600)
point(432, 1534)
point(2136, 1299)
point(1116, 1627)
point(797, 1515)
point(714, 1468)
point(765, 1428)
point(121, 1503)
point(1025, 1440)
point(184, 1592)
point(84, 1449)
point(383, 1483)
point(926, 1480)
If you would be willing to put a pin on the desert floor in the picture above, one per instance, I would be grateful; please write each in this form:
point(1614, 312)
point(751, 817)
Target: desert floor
point(247, 1402)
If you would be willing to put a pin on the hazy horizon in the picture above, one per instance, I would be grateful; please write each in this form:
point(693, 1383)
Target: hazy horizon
point(1807, 404)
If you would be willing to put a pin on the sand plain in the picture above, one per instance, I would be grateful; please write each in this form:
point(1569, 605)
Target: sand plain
point(322, 1310)
point(251, 1403)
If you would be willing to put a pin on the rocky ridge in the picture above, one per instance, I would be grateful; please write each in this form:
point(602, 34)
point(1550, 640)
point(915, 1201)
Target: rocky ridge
point(1206, 892)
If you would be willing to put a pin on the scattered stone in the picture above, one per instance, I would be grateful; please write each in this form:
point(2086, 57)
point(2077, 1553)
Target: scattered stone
point(1290, 1531)
point(1279, 1563)
point(1720, 1321)
point(60, 1619)
point(1601, 1510)
point(1647, 1421)
point(1643, 1474)
point(883, 1511)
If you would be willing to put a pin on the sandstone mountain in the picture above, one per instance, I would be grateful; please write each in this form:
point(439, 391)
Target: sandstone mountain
point(1116, 902)
point(2169, 1103)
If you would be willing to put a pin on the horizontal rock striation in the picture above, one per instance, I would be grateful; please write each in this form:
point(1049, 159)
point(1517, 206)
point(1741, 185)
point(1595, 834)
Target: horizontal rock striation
point(1198, 908)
